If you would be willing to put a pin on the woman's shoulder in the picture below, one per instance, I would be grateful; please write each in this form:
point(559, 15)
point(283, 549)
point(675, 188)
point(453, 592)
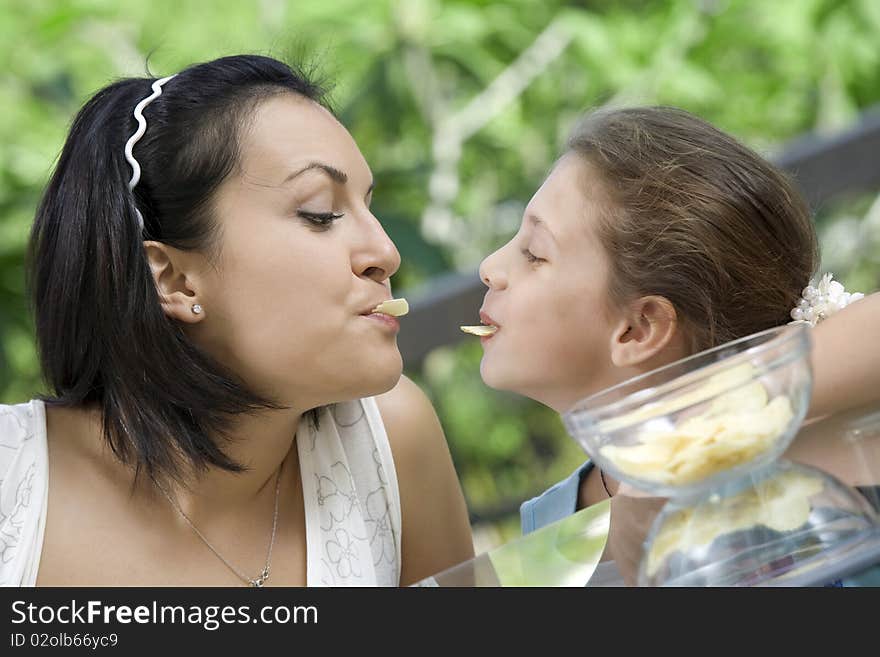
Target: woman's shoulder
point(434, 515)
point(412, 425)
point(404, 406)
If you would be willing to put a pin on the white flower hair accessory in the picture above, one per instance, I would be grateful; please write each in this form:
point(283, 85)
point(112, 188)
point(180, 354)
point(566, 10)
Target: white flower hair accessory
point(823, 300)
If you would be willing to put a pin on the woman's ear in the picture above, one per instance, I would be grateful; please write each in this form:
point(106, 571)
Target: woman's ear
point(175, 287)
point(644, 331)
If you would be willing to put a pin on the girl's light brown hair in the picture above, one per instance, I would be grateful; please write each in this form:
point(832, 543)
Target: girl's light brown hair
point(694, 216)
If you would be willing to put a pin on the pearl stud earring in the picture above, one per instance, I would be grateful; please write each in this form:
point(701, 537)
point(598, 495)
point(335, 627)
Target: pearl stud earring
point(197, 309)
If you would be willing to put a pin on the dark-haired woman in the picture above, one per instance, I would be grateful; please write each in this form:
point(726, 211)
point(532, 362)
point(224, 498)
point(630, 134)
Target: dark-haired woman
point(226, 407)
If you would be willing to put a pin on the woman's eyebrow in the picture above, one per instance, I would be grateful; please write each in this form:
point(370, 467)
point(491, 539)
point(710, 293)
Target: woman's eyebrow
point(334, 173)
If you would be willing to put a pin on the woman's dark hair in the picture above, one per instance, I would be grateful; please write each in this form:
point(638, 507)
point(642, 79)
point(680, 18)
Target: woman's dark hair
point(694, 216)
point(101, 334)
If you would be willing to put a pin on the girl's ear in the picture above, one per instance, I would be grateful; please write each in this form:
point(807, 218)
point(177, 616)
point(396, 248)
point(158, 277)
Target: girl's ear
point(644, 331)
point(175, 286)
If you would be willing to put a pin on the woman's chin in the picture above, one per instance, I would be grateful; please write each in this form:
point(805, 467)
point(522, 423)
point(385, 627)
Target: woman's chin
point(383, 376)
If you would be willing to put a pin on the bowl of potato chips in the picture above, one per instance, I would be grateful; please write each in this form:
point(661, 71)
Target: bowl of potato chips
point(772, 527)
point(689, 426)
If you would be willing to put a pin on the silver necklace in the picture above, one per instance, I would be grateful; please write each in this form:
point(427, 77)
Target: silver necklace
point(264, 574)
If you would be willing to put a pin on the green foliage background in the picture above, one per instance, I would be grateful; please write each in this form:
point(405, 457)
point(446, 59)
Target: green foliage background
point(765, 71)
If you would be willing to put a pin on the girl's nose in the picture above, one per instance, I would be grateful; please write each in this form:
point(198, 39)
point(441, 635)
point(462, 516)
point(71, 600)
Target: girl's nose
point(491, 271)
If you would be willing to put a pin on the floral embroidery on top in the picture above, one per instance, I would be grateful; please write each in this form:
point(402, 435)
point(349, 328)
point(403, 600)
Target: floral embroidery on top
point(20, 497)
point(379, 528)
point(337, 493)
point(11, 525)
point(359, 541)
point(341, 552)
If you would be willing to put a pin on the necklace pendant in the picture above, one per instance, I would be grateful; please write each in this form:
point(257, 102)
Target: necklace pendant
point(258, 582)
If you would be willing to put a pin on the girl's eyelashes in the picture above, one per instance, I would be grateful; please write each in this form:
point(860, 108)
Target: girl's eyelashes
point(531, 257)
point(320, 219)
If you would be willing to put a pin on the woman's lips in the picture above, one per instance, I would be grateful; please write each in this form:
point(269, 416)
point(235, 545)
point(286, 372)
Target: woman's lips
point(386, 321)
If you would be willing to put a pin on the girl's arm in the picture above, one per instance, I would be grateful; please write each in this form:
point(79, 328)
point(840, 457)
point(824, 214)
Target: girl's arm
point(846, 358)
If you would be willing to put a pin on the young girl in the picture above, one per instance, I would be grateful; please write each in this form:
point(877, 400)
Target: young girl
point(227, 406)
point(655, 236)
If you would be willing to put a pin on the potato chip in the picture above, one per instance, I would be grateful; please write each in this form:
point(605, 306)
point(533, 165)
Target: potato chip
point(479, 330)
point(712, 387)
point(393, 307)
point(738, 426)
point(752, 396)
point(781, 503)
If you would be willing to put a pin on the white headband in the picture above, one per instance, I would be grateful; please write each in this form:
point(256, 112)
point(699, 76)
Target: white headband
point(823, 300)
point(142, 128)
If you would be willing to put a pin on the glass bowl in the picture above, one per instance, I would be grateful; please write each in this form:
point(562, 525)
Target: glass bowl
point(691, 425)
point(769, 527)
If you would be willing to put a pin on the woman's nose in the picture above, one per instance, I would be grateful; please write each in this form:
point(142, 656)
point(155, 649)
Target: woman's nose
point(378, 257)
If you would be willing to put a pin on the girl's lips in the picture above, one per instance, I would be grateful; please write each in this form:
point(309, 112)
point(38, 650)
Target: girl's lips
point(487, 319)
point(387, 321)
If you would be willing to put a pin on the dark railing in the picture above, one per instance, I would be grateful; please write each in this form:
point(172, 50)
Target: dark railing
point(824, 167)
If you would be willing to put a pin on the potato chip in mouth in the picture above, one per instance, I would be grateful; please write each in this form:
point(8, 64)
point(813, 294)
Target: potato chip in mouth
point(393, 307)
point(481, 331)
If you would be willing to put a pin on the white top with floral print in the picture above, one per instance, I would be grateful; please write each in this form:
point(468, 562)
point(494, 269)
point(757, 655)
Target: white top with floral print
point(352, 502)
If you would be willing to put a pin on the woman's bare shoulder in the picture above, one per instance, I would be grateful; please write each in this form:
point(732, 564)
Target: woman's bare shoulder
point(436, 531)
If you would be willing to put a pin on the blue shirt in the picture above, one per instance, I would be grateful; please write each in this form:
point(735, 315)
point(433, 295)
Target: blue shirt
point(555, 503)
